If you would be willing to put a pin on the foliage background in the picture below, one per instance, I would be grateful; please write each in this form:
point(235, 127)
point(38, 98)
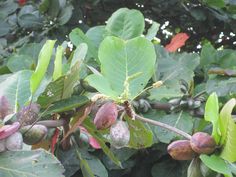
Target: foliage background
point(210, 25)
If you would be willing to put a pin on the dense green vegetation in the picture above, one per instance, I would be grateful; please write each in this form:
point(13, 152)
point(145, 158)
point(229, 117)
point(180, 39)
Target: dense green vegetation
point(117, 88)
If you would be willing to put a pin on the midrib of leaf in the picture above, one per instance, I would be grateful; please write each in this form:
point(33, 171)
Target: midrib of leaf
point(177, 121)
point(228, 152)
point(16, 100)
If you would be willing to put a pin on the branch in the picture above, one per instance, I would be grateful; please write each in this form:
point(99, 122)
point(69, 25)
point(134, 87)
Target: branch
point(52, 123)
point(163, 125)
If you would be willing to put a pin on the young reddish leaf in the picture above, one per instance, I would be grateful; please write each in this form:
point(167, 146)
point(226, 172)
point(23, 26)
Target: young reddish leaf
point(21, 2)
point(54, 140)
point(8, 130)
point(92, 141)
point(177, 42)
point(79, 121)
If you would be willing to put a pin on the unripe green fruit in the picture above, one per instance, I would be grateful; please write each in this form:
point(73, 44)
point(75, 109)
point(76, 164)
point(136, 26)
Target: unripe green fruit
point(14, 142)
point(106, 116)
point(33, 135)
point(181, 150)
point(203, 143)
point(119, 134)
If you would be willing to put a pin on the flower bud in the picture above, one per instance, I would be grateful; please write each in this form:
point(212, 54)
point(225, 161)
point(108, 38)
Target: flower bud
point(106, 116)
point(181, 150)
point(202, 143)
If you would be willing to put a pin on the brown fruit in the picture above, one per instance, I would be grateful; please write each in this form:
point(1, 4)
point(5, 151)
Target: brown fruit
point(202, 143)
point(106, 116)
point(33, 135)
point(181, 150)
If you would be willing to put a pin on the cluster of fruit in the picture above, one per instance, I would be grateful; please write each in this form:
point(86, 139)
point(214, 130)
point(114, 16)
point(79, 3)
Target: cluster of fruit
point(106, 117)
point(200, 143)
point(13, 135)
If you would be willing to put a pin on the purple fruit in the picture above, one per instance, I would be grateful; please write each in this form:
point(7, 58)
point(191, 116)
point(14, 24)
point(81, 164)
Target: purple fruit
point(106, 116)
point(203, 143)
point(181, 150)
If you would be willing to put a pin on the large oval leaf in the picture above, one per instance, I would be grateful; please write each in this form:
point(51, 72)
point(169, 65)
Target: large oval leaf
point(216, 164)
point(126, 65)
point(126, 23)
point(38, 163)
point(16, 88)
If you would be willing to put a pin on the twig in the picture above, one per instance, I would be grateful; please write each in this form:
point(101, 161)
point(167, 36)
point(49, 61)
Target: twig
point(163, 125)
point(52, 123)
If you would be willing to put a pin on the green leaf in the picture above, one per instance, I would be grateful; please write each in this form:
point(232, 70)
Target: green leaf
point(212, 115)
point(31, 49)
point(100, 139)
point(16, 89)
point(85, 168)
point(222, 86)
point(126, 23)
point(69, 160)
point(140, 135)
point(121, 59)
point(58, 63)
point(96, 166)
point(4, 28)
point(37, 163)
point(182, 121)
point(218, 3)
point(216, 164)
point(61, 88)
point(152, 31)
point(165, 91)
point(96, 35)
point(20, 62)
point(79, 54)
point(194, 168)
point(65, 14)
point(44, 5)
point(172, 69)
point(43, 62)
point(228, 132)
point(30, 20)
point(101, 84)
point(8, 7)
point(208, 55)
point(77, 37)
point(54, 8)
point(67, 104)
point(225, 117)
point(167, 168)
